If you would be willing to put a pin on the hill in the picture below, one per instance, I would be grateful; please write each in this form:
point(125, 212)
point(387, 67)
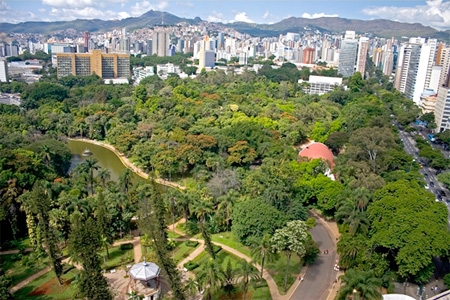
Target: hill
point(150, 18)
point(381, 28)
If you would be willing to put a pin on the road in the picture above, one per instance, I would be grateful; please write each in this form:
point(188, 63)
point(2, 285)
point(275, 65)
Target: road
point(320, 275)
point(410, 148)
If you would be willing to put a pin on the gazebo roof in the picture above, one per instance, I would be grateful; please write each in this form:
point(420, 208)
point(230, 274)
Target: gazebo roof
point(144, 271)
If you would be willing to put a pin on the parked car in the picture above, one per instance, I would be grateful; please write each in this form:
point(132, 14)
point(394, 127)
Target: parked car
point(439, 197)
point(426, 175)
point(431, 183)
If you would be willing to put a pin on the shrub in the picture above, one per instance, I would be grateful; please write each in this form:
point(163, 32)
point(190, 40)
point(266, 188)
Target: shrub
point(311, 223)
point(126, 246)
point(216, 248)
point(192, 244)
point(447, 280)
point(190, 265)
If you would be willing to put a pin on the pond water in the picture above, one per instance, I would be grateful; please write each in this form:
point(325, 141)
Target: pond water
point(106, 158)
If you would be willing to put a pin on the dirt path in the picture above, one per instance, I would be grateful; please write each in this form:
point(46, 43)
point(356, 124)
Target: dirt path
point(127, 163)
point(15, 251)
point(28, 280)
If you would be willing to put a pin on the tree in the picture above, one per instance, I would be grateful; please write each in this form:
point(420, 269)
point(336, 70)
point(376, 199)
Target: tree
point(255, 218)
point(88, 166)
point(411, 226)
point(151, 214)
point(262, 252)
point(444, 178)
point(104, 175)
point(84, 244)
point(39, 204)
point(247, 273)
point(211, 278)
point(202, 208)
point(290, 239)
point(359, 285)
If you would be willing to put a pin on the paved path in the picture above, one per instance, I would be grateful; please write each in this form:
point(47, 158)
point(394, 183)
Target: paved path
point(320, 276)
point(28, 280)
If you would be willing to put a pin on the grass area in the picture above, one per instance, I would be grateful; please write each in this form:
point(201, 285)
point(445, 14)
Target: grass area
point(222, 257)
point(229, 240)
point(47, 287)
point(21, 266)
point(260, 292)
point(277, 270)
point(181, 227)
point(172, 235)
point(117, 257)
point(182, 251)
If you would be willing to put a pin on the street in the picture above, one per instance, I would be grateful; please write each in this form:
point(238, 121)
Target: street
point(430, 179)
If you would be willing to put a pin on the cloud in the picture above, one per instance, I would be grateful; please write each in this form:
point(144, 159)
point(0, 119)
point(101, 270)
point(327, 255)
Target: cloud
point(80, 3)
point(242, 17)
point(85, 13)
point(436, 13)
point(142, 7)
point(216, 17)
point(266, 15)
point(317, 15)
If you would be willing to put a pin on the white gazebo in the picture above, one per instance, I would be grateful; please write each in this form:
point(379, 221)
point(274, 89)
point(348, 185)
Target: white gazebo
point(144, 280)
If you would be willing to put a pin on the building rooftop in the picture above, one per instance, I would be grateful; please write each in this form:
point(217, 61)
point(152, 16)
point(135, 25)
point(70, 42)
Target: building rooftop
point(318, 150)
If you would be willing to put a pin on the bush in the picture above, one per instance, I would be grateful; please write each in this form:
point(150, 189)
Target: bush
point(190, 265)
point(126, 246)
point(192, 244)
point(447, 280)
point(311, 223)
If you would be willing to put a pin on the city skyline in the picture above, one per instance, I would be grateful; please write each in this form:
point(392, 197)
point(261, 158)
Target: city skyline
point(434, 13)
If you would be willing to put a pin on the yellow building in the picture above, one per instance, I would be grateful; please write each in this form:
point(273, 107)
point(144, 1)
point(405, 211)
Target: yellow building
point(105, 65)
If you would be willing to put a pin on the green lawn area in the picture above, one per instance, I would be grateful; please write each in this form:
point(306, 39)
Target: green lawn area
point(172, 235)
point(229, 240)
point(182, 251)
point(277, 270)
point(47, 287)
point(117, 257)
point(181, 227)
point(21, 266)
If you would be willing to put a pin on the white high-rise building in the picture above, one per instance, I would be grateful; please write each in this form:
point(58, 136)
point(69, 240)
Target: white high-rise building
point(4, 76)
point(347, 57)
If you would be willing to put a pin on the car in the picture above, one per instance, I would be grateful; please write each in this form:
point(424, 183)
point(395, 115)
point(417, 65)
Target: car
point(426, 175)
point(427, 187)
point(431, 183)
point(439, 197)
point(442, 193)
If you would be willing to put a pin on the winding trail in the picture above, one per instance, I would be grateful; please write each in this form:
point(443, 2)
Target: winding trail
point(127, 163)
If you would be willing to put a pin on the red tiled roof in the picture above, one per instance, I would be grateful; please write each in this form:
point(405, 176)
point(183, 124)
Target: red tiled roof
point(318, 150)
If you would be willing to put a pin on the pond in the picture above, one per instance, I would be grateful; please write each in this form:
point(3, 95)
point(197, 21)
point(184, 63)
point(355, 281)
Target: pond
point(106, 158)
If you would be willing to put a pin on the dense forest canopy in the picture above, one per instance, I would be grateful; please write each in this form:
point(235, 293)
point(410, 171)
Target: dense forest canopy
point(235, 138)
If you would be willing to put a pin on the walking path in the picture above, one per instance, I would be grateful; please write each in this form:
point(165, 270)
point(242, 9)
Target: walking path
point(127, 163)
point(29, 279)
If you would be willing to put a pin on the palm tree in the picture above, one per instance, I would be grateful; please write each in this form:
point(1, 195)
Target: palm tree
point(104, 175)
point(105, 244)
point(88, 166)
point(191, 288)
point(202, 208)
point(262, 252)
point(211, 278)
point(226, 203)
point(358, 284)
point(362, 197)
point(125, 180)
point(247, 273)
point(47, 155)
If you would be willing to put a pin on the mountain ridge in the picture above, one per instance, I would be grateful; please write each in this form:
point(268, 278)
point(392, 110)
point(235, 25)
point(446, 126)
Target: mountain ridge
point(377, 27)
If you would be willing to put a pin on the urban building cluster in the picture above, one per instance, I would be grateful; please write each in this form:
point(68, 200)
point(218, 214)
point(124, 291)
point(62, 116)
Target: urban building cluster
point(419, 67)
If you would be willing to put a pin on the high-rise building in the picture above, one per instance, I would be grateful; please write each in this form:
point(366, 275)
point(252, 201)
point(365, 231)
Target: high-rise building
point(206, 57)
point(4, 76)
point(308, 56)
point(347, 57)
point(363, 48)
point(160, 42)
point(87, 37)
point(112, 65)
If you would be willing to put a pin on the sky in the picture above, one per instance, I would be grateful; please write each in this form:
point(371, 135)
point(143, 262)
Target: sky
point(434, 13)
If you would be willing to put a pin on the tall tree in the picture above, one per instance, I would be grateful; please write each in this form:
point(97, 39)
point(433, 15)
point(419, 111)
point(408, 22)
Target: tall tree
point(262, 252)
point(202, 208)
point(84, 244)
point(290, 239)
point(247, 273)
point(151, 214)
point(211, 278)
point(38, 203)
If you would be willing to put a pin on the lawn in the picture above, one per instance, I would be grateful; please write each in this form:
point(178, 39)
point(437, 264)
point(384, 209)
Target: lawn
point(21, 266)
point(182, 251)
point(117, 257)
point(229, 240)
point(47, 287)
